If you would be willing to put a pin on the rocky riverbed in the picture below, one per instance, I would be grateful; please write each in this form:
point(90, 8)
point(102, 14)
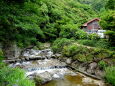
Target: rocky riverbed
point(52, 71)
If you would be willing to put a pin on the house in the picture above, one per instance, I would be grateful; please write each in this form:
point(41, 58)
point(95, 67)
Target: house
point(92, 26)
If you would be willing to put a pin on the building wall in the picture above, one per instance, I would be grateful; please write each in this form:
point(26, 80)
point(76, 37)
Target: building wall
point(93, 25)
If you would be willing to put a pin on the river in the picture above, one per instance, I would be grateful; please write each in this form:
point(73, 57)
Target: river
point(77, 80)
point(53, 72)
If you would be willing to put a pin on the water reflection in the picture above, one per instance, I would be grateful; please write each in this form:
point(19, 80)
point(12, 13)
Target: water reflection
point(69, 80)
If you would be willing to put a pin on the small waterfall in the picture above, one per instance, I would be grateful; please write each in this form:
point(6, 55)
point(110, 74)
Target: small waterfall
point(45, 68)
point(41, 63)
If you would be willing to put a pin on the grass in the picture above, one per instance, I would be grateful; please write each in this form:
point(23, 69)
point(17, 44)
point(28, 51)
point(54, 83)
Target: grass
point(13, 77)
point(110, 75)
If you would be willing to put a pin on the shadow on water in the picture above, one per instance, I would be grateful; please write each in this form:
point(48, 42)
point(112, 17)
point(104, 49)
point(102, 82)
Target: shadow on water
point(69, 80)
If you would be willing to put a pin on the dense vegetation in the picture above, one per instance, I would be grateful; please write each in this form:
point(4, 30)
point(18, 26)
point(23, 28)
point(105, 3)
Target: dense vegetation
point(13, 77)
point(28, 22)
point(97, 5)
point(72, 49)
point(110, 73)
point(44, 20)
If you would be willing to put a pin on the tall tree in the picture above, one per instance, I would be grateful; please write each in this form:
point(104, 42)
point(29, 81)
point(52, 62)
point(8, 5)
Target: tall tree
point(110, 4)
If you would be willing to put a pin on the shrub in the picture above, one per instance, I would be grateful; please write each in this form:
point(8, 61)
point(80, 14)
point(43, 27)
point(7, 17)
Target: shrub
point(87, 42)
point(95, 43)
point(102, 53)
point(70, 50)
point(60, 43)
point(80, 34)
point(102, 64)
point(13, 77)
point(110, 75)
point(77, 52)
point(82, 53)
point(38, 80)
point(93, 36)
point(102, 44)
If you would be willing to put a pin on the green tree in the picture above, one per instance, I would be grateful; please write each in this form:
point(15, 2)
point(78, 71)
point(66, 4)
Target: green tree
point(29, 21)
point(107, 23)
point(110, 4)
point(13, 77)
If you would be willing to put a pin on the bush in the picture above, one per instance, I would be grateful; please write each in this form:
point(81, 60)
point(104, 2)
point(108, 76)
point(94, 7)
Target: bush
point(70, 50)
point(102, 53)
point(13, 77)
point(102, 44)
point(82, 53)
point(93, 36)
point(77, 53)
point(102, 64)
point(110, 75)
point(38, 80)
point(80, 34)
point(87, 42)
point(95, 43)
point(60, 43)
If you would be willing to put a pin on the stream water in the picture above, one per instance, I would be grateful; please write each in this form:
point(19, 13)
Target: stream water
point(77, 80)
point(53, 71)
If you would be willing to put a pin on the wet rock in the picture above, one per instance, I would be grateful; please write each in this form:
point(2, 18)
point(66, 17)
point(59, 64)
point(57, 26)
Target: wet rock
point(91, 68)
point(87, 80)
point(55, 76)
point(46, 76)
point(93, 65)
point(99, 73)
point(68, 61)
point(11, 50)
point(58, 55)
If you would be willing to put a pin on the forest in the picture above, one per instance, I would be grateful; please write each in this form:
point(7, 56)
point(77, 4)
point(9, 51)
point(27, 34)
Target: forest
point(32, 23)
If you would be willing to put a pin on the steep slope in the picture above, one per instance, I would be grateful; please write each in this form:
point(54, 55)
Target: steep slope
point(31, 20)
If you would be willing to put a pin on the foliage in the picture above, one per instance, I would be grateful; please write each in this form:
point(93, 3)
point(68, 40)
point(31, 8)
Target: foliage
point(110, 4)
point(110, 75)
point(27, 21)
point(93, 36)
point(95, 43)
point(102, 53)
point(13, 76)
point(76, 52)
point(18, 23)
point(102, 44)
point(107, 23)
point(97, 5)
point(60, 43)
point(86, 54)
point(38, 80)
point(68, 31)
point(102, 64)
point(81, 35)
point(87, 42)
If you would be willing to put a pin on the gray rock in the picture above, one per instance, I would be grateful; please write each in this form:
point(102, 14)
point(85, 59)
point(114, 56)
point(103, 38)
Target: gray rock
point(68, 61)
point(46, 76)
point(92, 65)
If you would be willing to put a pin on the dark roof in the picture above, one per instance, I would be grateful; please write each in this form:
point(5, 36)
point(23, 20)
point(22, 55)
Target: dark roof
point(85, 24)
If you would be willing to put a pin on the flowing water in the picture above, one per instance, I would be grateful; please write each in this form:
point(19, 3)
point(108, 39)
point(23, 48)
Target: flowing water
point(77, 80)
point(53, 71)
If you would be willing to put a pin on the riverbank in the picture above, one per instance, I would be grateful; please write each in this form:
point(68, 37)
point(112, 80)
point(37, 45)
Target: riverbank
point(50, 68)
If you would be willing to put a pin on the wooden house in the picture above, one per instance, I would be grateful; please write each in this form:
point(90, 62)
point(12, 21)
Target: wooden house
point(92, 26)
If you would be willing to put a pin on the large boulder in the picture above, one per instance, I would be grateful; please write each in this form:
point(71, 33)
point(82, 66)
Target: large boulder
point(11, 50)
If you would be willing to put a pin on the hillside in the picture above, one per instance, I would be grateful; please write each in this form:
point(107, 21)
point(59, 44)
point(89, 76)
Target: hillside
point(44, 42)
point(42, 19)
